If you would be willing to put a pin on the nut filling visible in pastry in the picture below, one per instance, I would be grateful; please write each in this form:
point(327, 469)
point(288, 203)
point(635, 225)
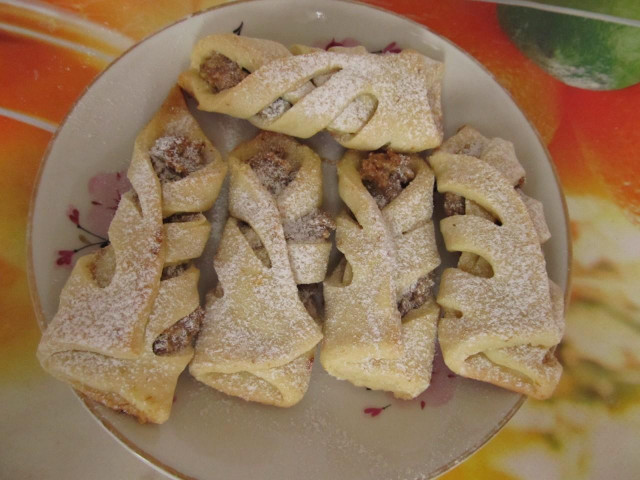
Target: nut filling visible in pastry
point(175, 157)
point(316, 225)
point(182, 217)
point(385, 174)
point(221, 72)
point(418, 294)
point(255, 243)
point(365, 100)
point(276, 169)
point(273, 166)
point(312, 299)
point(180, 335)
point(502, 314)
point(453, 204)
point(380, 315)
point(129, 313)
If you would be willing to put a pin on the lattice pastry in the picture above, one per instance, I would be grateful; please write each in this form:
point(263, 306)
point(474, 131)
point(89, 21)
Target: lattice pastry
point(503, 316)
point(365, 100)
point(381, 319)
point(129, 312)
point(258, 339)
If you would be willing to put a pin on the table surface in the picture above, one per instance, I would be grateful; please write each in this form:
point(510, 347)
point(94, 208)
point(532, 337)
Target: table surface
point(51, 50)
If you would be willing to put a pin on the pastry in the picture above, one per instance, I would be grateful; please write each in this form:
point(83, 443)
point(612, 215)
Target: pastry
point(129, 312)
point(503, 315)
point(381, 320)
point(258, 339)
point(366, 100)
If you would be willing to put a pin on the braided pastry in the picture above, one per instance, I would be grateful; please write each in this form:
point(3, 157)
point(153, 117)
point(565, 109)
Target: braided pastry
point(366, 100)
point(128, 313)
point(381, 319)
point(257, 340)
point(503, 316)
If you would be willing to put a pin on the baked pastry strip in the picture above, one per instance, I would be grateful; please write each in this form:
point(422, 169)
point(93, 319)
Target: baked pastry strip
point(501, 322)
point(128, 313)
point(258, 340)
point(389, 254)
point(278, 96)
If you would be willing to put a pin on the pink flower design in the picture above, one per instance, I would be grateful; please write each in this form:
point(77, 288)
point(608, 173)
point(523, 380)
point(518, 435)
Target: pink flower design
point(106, 190)
point(443, 384)
point(73, 214)
point(391, 48)
point(64, 257)
point(375, 411)
point(345, 42)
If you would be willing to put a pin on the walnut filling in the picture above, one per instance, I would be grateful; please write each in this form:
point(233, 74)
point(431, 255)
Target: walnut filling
point(173, 271)
point(316, 225)
point(385, 175)
point(255, 243)
point(312, 299)
point(221, 73)
point(273, 165)
point(273, 111)
point(417, 295)
point(454, 204)
point(180, 335)
point(182, 217)
point(175, 157)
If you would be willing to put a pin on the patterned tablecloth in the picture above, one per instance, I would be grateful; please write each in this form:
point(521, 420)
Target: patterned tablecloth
point(575, 78)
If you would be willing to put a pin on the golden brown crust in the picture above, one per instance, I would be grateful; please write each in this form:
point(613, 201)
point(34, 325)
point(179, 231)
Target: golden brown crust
point(113, 401)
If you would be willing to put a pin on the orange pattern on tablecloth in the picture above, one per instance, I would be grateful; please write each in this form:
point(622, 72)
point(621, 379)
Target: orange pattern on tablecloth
point(474, 27)
point(41, 79)
point(136, 19)
point(40, 23)
point(21, 149)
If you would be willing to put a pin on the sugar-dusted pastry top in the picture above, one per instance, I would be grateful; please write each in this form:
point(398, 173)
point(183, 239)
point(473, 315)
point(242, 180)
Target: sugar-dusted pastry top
point(143, 281)
point(503, 316)
point(381, 319)
point(366, 100)
point(259, 332)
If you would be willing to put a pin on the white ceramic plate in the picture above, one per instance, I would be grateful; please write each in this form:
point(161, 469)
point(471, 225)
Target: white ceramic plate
point(327, 435)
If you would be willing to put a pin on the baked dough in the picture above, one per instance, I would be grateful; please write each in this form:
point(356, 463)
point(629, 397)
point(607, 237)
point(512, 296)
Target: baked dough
point(404, 90)
point(118, 302)
point(258, 340)
point(387, 251)
point(503, 316)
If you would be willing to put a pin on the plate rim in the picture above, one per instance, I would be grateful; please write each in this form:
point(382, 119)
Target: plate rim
point(92, 407)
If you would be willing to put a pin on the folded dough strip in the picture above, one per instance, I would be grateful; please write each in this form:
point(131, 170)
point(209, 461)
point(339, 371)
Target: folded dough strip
point(258, 339)
point(388, 252)
point(501, 326)
point(406, 88)
point(143, 384)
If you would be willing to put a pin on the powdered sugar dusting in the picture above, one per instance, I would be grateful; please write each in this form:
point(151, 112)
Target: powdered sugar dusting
point(368, 101)
point(512, 308)
point(365, 342)
point(259, 329)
